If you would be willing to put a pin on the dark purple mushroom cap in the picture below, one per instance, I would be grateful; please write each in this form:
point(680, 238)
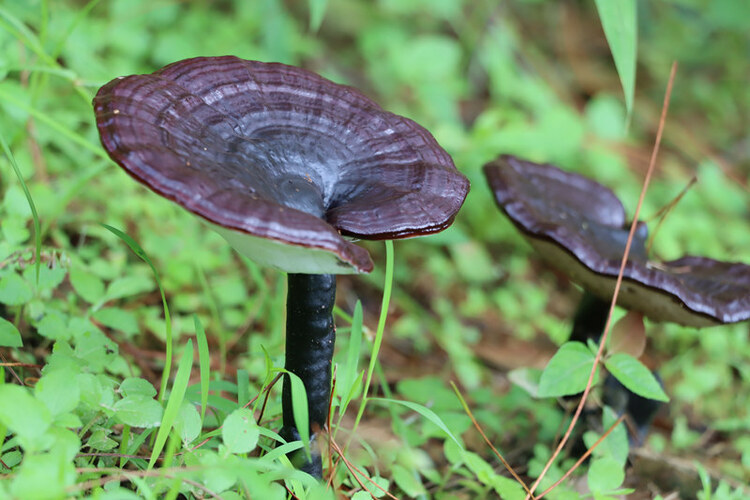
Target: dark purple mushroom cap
point(578, 226)
point(279, 160)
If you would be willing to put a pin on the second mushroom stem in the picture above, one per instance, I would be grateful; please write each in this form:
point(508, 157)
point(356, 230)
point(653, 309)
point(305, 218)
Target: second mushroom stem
point(310, 338)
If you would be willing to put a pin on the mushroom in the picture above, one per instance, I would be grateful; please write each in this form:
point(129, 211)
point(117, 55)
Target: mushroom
point(287, 166)
point(579, 227)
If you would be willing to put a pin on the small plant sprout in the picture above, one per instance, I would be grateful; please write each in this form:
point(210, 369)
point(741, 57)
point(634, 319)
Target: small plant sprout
point(288, 167)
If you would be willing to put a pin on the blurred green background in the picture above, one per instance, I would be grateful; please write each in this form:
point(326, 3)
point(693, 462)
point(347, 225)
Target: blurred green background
point(533, 78)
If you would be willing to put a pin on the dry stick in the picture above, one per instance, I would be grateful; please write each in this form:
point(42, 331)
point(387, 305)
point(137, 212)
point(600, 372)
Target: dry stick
point(489, 443)
point(664, 212)
point(633, 225)
point(353, 468)
point(584, 457)
point(119, 475)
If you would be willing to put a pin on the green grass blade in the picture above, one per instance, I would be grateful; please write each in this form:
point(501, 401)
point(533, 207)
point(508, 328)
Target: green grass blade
point(34, 214)
point(243, 387)
point(179, 388)
point(136, 248)
point(317, 11)
point(55, 125)
point(124, 440)
point(426, 413)
point(204, 363)
point(620, 25)
point(300, 411)
point(387, 289)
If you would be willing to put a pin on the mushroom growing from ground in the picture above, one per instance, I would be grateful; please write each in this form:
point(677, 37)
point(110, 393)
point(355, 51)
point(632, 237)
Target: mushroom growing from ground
point(579, 227)
point(283, 163)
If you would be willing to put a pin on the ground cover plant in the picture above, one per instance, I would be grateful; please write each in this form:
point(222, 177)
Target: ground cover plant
point(139, 353)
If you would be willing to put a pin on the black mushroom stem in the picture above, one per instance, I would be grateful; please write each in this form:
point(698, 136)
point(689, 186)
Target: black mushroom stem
point(589, 323)
point(310, 338)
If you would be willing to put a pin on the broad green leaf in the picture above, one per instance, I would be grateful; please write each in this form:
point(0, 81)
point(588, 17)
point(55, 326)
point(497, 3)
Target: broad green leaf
point(138, 411)
point(87, 285)
point(240, 431)
point(28, 417)
point(619, 21)
point(99, 440)
point(117, 319)
point(188, 422)
point(218, 475)
point(605, 474)
point(65, 443)
point(9, 334)
point(14, 290)
point(54, 325)
point(408, 481)
point(134, 386)
point(43, 476)
point(615, 445)
point(635, 376)
point(568, 371)
point(57, 392)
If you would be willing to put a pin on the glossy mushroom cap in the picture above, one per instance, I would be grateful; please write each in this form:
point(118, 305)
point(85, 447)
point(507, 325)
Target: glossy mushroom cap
point(578, 226)
point(279, 160)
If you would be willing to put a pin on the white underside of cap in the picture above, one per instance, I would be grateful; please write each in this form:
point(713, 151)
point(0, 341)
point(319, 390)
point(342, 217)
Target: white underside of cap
point(284, 256)
point(654, 304)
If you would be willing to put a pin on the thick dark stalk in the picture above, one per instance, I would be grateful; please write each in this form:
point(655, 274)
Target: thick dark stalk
point(589, 323)
point(310, 338)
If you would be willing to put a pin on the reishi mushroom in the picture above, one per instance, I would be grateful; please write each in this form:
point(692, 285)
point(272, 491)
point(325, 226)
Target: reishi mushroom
point(287, 166)
point(579, 227)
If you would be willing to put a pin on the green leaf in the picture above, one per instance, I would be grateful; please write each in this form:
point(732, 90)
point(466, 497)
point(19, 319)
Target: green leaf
point(300, 410)
point(117, 319)
point(240, 431)
point(87, 285)
point(29, 199)
point(54, 325)
point(568, 371)
point(14, 290)
point(43, 476)
point(635, 376)
point(57, 392)
point(615, 445)
point(348, 382)
point(204, 363)
point(134, 386)
point(176, 397)
point(426, 413)
point(138, 411)
point(317, 11)
point(188, 423)
point(136, 248)
point(28, 417)
point(605, 474)
point(619, 21)
point(408, 481)
point(99, 440)
point(9, 334)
